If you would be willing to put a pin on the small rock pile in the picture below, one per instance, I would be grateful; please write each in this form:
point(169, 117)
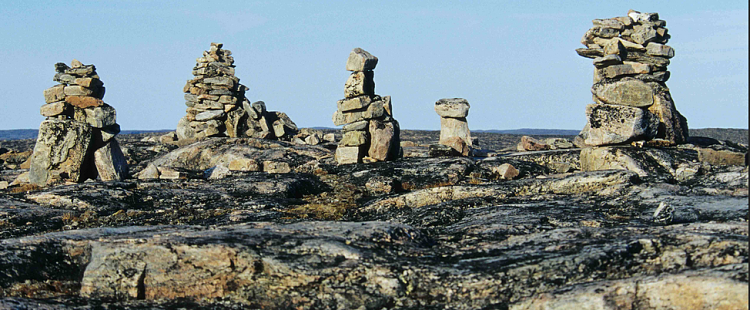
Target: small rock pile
point(631, 100)
point(214, 98)
point(370, 133)
point(454, 129)
point(77, 140)
point(265, 124)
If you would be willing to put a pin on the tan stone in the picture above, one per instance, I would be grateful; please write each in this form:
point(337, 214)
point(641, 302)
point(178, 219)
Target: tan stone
point(75, 90)
point(361, 60)
point(53, 109)
point(627, 92)
point(358, 84)
point(384, 140)
point(349, 154)
point(83, 101)
point(111, 164)
point(276, 167)
point(54, 94)
point(505, 171)
point(354, 138)
point(60, 150)
point(614, 124)
point(455, 128)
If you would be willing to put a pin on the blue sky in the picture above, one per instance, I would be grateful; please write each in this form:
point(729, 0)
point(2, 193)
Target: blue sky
point(514, 61)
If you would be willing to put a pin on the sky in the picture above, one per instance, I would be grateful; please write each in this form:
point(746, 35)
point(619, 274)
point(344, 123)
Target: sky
point(514, 61)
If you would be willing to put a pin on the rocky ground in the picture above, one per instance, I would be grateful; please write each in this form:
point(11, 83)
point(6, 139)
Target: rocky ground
point(296, 231)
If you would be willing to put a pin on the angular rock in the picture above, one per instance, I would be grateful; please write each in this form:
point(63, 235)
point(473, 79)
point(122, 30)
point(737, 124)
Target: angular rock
point(454, 127)
point(60, 152)
point(209, 115)
point(615, 124)
point(53, 109)
point(384, 140)
point(111, 164)
point(361, 60)
point(656, 49)
point(349, 154)
point(54, 94)
point(354, 138)
point(84, 101)
point(358, 84)
point(98, 117)
point(626, 68)
point(530, 144)
point(672, 125)
point(452, 107)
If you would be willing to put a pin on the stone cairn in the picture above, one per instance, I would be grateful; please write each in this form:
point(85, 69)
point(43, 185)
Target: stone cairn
point(77, 140)
point(370, 133)
point(632, 103)
point(217, 105)
point(214, 97)
point(455, 138)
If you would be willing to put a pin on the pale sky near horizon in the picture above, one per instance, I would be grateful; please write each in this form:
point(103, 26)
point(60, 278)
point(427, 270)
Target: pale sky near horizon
point(514, 61)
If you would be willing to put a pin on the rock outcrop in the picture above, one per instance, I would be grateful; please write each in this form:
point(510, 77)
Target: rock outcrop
point(77, 140)
point(454, 129)
point(370, 133)
point(631, 100)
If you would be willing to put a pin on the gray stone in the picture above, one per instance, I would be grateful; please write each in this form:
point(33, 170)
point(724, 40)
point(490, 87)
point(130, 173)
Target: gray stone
point(349, 154)
point(358, 84)
point(643, 34)
point(672, 126)
point(98, 117)
point(354, 138)
point(627, 92)
point(626, 68)
point(356, 103)
point(607, 60)
point(361, 60)
point(184, 130)
point(454, 127)
point(60, 151)
point(77, 90)
point(259, 107)
point(359, 125)
point(609, 23)
point(235, 123)
point(111, 164)
point(452, 107)
point(614, 124)
point(209, 115)
point(656, 49)
point(108, 132)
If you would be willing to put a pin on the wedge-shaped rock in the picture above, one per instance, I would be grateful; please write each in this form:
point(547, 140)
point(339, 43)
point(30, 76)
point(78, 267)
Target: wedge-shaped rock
point(111, 164)
point(673, 126)
point(60, 151)
point(53, 109)
point(615, 124)
point(361, 60)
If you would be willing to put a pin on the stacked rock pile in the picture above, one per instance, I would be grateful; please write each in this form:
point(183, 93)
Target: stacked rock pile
point(265, 124)
point(77, 140)
point(370, 133)
point(454, 129)
point(214, 98)
point(631, 100)
point(217, 105)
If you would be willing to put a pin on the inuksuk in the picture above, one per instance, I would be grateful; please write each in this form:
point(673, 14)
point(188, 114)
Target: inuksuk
point(632, 103)
point(77, 140)
point(454, 129)
point(214, 98)
point(370, 133)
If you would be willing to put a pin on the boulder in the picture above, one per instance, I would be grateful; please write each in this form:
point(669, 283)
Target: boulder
point(384, 140)
point(615, 124)
point(358, 84)
point(61, 151)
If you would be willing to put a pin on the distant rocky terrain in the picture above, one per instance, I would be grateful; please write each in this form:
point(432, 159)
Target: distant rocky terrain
point(668, 228)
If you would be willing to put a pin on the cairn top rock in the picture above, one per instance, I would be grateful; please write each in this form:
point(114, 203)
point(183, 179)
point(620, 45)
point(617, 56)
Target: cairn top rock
point(452, 107)
point(361, 60)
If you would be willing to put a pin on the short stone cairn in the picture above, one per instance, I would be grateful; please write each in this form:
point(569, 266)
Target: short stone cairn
point(455, 138)
point(632, 103)
point(370, 133)
point(217, 106)
point(77, 140)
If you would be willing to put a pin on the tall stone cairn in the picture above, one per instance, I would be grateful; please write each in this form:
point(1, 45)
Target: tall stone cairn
point(214, 98)
point(370, 133)
point(631, 100)
point(77, 140)
point(217, 106)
